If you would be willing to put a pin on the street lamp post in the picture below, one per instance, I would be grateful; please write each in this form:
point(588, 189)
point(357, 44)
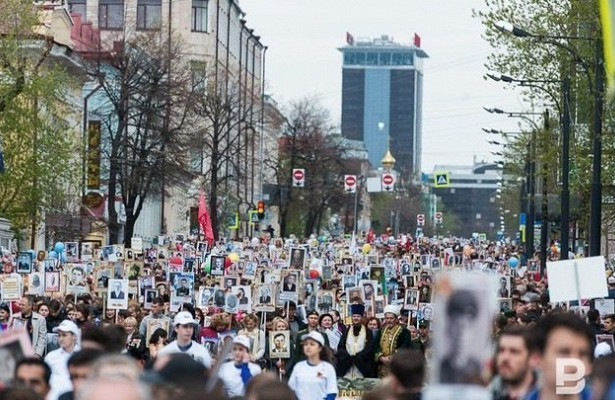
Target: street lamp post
point(596, 91)
point(531, 179)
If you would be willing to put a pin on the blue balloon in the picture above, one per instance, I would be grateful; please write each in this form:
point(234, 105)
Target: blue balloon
point(59, 247)
point(53, 255)
point(513, 262)
point(33, 253)
point(63, 257)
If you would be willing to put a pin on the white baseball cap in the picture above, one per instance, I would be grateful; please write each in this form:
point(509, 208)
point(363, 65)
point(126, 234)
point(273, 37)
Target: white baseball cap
point(315, 336)
point(67, 326)
point(242, 340)
point(183, 318)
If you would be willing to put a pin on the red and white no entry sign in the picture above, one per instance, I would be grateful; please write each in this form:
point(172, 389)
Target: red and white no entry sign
point(298, 174)
point(350, 180)
point(387, 179)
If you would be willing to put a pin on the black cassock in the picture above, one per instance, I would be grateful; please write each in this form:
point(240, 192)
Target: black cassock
point(363, 360)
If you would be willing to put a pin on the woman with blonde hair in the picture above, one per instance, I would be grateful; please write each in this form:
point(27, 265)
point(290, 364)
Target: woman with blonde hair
point(281, 366)
point(256, 336)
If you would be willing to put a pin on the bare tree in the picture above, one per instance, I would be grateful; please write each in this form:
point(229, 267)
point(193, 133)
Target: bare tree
point(150, 121)
point(308, 143)
point(224, 139)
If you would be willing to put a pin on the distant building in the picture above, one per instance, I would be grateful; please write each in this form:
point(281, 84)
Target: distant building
point(382, 91)
point(471, 195)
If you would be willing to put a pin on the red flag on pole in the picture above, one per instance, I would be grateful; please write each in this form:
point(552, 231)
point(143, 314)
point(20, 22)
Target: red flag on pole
point(204, 220)
point(349, 39)
point(417, 40)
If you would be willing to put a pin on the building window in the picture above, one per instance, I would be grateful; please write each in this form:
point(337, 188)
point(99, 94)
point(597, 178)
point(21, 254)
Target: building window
point(199, 15)
point(111, 14)
point(77, 7)
point(149, 14)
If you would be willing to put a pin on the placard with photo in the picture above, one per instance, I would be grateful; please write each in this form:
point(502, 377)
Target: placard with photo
point(87, 251)
point(36, 284)
point(325, 301)
point(264, 298)
point(289, 288)
point(182, 285)
point(279, 345)
point(117, 294)
point(205, 297)
point(146, 282)
point(102, 275)
point(297, 258)
point(244, 297)
point(368, 290)
point(411, 300)
point(72, 251)
point(52, 281)
point(249, 270)
point(464, 304)
point(11, 288)
point(217, 265)
point(15, 345)
point(156, 323)
point(148, 298)
point(231, 303)
point(134, 270)
point(75, 275)
point(24, 262)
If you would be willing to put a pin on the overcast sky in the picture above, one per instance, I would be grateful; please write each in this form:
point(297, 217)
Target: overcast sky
point(303, 60)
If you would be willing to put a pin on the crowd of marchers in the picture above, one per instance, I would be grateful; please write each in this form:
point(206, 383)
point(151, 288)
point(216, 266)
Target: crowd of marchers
point(301, 348)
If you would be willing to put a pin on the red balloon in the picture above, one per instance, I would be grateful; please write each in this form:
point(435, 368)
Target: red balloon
point(176, 261)
point(313, 274)
point(227, 262)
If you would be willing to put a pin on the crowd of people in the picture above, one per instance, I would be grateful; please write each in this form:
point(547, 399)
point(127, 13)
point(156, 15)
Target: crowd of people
point(353, 310)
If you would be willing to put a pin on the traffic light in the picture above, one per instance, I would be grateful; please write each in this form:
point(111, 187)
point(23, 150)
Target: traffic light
point(260, 209)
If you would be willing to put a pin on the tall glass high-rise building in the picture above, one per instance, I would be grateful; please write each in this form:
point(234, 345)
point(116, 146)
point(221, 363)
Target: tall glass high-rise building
point(382, 91)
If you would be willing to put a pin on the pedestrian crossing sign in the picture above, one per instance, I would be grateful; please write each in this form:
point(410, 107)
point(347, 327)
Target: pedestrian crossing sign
point(441, 179)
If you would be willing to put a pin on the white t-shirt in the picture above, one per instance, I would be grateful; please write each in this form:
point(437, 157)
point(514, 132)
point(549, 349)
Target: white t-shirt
point(230, 375)
point(60, 378)
point(196, 351)
point(313, 382)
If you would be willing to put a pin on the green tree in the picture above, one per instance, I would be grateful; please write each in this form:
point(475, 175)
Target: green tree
point(38, 140)
point(551, 60)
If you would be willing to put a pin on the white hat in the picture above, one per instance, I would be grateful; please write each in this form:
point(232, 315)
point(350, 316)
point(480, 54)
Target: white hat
point(242, 340)
point(67, 326)
point(391, 309)
point(315, 336)
point(602, 349)
point(611, 280)
point(183, 318)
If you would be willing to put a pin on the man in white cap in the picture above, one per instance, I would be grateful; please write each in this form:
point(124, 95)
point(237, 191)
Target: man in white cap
point(68, 337)
point(184, 328)
point(391, 337)
point(236, 373)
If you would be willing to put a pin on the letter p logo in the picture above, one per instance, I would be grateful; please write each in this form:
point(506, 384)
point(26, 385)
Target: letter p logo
point(569, 371)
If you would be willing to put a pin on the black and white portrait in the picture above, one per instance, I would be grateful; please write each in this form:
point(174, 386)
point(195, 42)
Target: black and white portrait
point(217, 265)
point(24, 263)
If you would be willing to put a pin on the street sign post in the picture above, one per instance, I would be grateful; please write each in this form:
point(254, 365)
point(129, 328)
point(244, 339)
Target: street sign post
point(420, 219)
point(298, 177)
point(350, 183)
point(388, 181)
point(438, 217)
point(441, 179)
